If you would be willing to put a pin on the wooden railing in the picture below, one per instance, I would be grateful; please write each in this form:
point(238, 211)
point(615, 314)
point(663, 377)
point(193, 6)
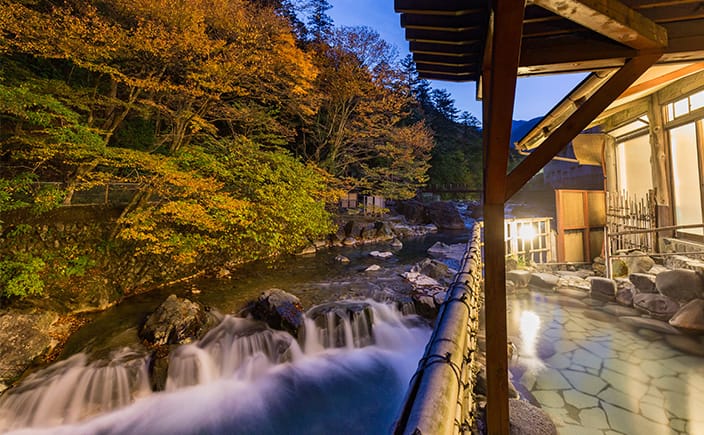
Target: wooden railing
point(440, 398)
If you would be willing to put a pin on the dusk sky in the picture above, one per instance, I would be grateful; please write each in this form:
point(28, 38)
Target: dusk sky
point(535, 96)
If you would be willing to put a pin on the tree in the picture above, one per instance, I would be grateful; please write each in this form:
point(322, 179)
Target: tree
point(402, 163)
point(319, 22)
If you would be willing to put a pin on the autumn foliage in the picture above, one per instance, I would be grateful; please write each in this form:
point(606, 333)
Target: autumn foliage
point(236, 125)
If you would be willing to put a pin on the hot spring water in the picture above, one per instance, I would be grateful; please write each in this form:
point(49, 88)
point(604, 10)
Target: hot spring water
point(348, 375)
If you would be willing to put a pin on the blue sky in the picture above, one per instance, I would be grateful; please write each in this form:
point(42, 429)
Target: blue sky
point(535, 96)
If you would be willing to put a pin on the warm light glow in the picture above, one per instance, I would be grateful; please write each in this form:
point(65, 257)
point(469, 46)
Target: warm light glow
point(527, 232)
point(530, 326)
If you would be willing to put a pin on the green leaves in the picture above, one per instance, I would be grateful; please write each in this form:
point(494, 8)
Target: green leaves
point(20, 276)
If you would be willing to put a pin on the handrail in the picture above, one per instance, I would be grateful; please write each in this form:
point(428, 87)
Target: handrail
point(440, 397)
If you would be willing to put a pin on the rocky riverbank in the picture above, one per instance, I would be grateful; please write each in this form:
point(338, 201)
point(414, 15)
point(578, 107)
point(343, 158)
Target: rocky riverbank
point(33, 333)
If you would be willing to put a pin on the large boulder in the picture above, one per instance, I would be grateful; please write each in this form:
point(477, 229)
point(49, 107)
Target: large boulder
point(682, 285)
point(413, 211)
point(519, 277)
point(175, 321)
point(657, 306)
point(638, 262)
point(544, 280)
point(644, 282)
point(443, 250)
point(445, 216)
point(650, 324)
point(24, 338)
point(603, 289)
point(434, 269)
point(690, 317)
point(625, 291)
point(427, 300)
point(526, 419)
point(279, 309)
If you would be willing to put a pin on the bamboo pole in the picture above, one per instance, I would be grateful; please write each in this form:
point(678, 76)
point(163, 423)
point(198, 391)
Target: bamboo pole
point(436, 402)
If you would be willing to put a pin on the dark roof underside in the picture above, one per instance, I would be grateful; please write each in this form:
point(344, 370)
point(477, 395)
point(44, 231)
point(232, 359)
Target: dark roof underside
point(447, 38)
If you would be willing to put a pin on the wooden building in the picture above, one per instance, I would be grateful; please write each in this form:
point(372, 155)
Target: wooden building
point(494, 42)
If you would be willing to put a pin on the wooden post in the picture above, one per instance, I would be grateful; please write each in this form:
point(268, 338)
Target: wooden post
point(500, 70)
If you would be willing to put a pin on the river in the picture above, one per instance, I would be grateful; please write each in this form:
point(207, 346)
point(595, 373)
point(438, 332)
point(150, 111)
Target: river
point(242, 377)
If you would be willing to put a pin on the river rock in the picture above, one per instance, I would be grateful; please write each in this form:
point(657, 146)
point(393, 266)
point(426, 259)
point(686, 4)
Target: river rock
point(655, 305)
point(651, 324)
point(381, 254)
point(638, 262)
point(526, 419)
point(603, 289)
point(420, 280)
point(624, 296)
point(427, 301)
point(682, 285)
point(175, 321)
point(349, 241)
point(657, 269)
point(413, 211)
point(308, 250)
point(373, 268)
point(24, 337)
point(544, 280)
point(573, 281)
point(445, 216)
point(619, 311)
point(342, 259)
point(690, 345)
point(519, 277)
point(690, 317)
point(396, 243)
point(279, 309)
point(434, 269)
point(643, 282)
point(573, 293)
point(443, 250)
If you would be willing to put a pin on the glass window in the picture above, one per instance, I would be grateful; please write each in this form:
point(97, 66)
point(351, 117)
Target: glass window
point(696, 101)
point(681, 107)
point(633, 166)
point(685, 175)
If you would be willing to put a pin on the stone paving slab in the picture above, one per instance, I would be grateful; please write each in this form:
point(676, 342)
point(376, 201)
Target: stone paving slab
point(605, 377)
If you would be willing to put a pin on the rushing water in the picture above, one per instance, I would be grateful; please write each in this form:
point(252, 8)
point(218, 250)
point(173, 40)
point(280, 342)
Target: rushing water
point(347, 374)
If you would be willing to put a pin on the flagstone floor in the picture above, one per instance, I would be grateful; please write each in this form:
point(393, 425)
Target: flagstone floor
point(594, 375)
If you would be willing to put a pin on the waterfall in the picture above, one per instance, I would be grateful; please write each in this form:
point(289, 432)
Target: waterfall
point(73, 389)
point(349, 375)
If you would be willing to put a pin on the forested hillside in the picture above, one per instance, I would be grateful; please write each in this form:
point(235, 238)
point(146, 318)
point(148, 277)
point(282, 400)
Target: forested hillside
point(238, 121)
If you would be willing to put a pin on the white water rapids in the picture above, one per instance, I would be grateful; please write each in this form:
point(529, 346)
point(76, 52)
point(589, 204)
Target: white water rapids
point(349, 376)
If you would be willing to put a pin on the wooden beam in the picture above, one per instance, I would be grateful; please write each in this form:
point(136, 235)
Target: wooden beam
point(471, 47)
point(612, 19)
point(587, 112)
point(447, 77)
point(663, 79)
point(452, 69)
point(433, 7)
point(443, 37)
point(499, 86)
point(457, 23)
